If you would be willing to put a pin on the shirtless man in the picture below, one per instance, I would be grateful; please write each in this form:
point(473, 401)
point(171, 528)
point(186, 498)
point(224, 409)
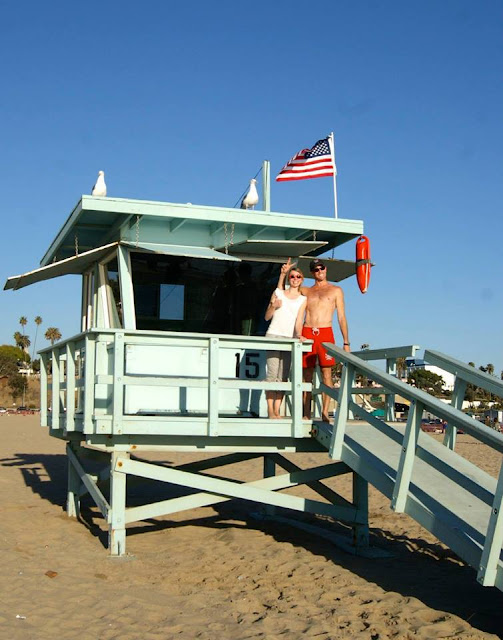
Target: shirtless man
point(323, 299)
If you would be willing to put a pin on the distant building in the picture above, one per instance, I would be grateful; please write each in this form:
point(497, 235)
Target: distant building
point(417, 363)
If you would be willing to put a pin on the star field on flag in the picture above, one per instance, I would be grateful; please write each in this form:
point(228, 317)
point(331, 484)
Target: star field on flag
point(316, 162)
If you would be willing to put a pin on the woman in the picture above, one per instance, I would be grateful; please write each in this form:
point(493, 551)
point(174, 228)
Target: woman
point(286, 312)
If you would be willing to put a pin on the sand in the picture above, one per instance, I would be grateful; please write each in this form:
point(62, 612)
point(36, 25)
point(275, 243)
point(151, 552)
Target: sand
point(215, 572)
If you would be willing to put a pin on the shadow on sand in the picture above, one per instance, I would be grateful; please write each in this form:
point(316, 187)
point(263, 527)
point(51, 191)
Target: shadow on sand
point(429, 572)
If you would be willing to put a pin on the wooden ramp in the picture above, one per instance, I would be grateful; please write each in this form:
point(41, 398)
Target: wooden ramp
point(447, 495)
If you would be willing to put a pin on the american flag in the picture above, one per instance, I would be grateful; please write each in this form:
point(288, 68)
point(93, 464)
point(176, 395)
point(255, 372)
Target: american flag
point(316, 162)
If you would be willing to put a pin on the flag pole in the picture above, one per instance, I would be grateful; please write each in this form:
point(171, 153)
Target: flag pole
point(332, 151)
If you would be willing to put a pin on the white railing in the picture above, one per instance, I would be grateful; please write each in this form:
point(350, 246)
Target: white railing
point(420, 401)
point(88, 379)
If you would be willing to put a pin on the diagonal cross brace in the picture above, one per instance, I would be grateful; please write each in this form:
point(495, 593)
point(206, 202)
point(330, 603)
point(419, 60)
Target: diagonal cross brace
point(88, 482)
point(218, 490)
point(315, 485)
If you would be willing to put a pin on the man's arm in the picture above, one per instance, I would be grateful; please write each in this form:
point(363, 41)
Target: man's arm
point(341, 317)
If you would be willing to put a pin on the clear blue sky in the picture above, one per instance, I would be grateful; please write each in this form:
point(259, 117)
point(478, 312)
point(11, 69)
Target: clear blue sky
point(182, 101)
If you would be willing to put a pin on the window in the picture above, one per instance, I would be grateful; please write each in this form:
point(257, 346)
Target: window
point(114, 293)
point(171, 301)
point(174, 293)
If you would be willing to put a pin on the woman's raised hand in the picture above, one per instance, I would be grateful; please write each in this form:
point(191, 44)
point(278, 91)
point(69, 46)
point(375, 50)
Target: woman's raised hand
point(285, 268)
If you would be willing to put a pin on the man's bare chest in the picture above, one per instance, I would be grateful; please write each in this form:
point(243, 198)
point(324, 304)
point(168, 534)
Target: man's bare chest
point(321, 297)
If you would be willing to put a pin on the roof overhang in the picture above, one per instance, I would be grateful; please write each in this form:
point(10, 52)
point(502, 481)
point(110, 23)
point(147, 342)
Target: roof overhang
point(180, 250)
point(82, 262)
point(74, 265)
point(95, 222)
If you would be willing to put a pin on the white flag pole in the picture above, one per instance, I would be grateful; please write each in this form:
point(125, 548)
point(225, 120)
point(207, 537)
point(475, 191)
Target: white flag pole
point(331, 142)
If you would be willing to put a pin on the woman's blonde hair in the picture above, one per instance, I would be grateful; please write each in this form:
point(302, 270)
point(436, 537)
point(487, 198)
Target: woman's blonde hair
point(297, 270)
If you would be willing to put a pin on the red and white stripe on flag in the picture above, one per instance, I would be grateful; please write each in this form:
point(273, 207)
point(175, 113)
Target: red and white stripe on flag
point(316, 162)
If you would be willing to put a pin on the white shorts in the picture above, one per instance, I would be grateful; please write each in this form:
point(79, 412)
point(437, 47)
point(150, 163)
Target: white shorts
point(278, 363)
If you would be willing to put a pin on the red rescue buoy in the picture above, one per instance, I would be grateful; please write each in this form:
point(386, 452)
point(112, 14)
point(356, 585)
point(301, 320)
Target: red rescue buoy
point(363, 264)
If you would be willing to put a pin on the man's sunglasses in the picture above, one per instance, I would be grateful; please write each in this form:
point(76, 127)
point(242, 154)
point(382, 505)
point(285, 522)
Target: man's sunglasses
point(318, 269)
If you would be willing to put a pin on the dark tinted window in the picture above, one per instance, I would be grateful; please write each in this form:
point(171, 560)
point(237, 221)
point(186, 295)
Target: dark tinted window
point(204, 296)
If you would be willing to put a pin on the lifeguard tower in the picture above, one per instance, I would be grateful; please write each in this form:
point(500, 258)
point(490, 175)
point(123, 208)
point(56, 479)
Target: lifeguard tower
point(171, 357)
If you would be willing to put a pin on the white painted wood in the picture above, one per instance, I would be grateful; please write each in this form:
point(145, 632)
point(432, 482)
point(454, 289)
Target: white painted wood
point(490, 559)
point(117, 515)
point(407, 457)
point(341, 416)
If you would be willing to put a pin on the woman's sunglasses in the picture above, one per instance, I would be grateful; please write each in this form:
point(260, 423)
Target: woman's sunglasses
point(294, 276)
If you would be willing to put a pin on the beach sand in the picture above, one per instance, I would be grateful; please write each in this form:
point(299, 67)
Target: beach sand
point(215, 572)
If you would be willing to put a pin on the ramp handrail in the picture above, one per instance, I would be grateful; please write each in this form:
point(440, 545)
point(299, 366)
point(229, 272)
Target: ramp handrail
point(391, 355)
point(420, 400)
point(447, 412)
point(465, 374)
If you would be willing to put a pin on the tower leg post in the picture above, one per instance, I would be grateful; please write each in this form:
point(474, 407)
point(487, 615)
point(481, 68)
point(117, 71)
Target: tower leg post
point(117, 515)
point(361, 502)
point(73, 497)
point(269, 472)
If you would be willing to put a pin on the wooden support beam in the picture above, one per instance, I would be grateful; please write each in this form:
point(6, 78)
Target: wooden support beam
point(117, 230)
point(488, 568)
point(218, 461)
point(213, 393)
point(341, 416)
point(126, 288)
point(458, 396)
point(56, 381)
point(361, 502)
point(73, 491)
point(44, 366)
point(70, 386)
point(317, 486)
point(405, 466)
point(390, 398)
point(176, 223)
point(117, 519)
point(118, 383)
point(297, 399)
point(89, 364)
point(99, 499)
point(269, 472)
point(218, 490)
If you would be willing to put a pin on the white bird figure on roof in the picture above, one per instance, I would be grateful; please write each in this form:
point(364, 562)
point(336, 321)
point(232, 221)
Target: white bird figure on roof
point(100, 188)
point(251, 198)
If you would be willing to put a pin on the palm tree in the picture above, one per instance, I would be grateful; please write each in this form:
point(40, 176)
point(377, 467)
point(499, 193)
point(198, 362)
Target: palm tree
point(22, 341)
point(401, 367)
point(23, 322)
point(490, 371)
point(18, 339)
point(53, 334)
point(38, 322)
point(25, 344)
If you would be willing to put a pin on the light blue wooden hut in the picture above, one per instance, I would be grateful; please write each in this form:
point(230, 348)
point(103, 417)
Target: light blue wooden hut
point(171, 357)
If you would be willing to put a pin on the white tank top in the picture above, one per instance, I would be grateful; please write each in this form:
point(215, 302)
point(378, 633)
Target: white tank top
point(283, 320)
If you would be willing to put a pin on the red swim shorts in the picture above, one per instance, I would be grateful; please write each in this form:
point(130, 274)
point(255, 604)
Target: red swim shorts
point(319, 336)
